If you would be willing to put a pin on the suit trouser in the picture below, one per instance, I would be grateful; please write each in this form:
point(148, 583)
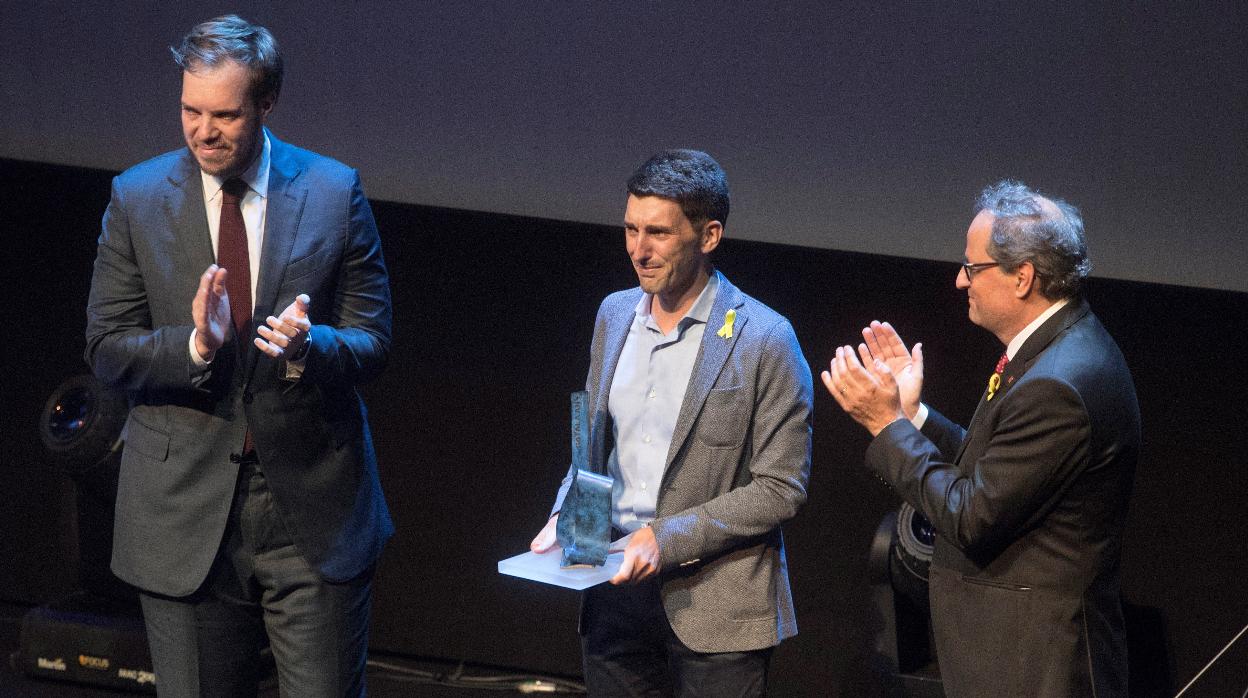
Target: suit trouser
point(209, 643)
point(629, 649)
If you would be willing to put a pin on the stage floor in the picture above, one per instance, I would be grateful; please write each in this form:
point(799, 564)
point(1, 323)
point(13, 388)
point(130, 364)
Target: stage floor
point(383, 681)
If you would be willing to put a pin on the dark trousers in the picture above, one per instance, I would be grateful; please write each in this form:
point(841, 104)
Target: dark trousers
point(629, 649)
point(260, 588)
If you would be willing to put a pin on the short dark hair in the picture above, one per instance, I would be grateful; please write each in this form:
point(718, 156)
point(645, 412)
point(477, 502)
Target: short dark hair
point(1025, 230)
point(691, 178)
point(235, 39)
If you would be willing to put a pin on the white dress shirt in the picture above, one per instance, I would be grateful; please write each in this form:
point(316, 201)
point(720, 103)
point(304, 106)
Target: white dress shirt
point(255, 205)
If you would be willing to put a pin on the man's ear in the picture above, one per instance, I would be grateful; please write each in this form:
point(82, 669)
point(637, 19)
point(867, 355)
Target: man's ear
point(712, 233)
point(1025, 281)
point(265, 106)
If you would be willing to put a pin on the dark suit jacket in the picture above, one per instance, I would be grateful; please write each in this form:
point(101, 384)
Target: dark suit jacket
point(1029, 505)
point(737, 468)
point(311, 435)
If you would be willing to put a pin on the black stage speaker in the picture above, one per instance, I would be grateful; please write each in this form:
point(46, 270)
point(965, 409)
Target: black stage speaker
point(88, 639)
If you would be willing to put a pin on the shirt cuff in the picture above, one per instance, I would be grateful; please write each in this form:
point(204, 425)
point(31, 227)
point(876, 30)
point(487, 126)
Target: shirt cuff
point(196, 359)
point(920, 417)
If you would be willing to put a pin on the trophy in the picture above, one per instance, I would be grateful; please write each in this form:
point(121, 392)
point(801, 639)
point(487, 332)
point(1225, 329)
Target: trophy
point(584, 527)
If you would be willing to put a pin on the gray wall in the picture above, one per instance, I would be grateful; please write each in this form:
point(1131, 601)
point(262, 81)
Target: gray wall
point(850, 126)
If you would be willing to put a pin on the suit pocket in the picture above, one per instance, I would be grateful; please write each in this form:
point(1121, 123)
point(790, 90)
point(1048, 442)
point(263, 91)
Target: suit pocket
point(146, 440)
point(980, 625)
point(720, 424)
point(308, 264)
point(1007, 586)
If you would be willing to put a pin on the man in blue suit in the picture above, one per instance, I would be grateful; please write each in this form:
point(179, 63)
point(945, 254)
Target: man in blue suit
point(701, 412)
point(239, 296)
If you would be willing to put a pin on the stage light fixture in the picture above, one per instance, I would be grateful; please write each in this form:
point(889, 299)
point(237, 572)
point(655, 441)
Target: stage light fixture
point(912, 554)
point(95, 635)
point(81, 424)
point(903, 656)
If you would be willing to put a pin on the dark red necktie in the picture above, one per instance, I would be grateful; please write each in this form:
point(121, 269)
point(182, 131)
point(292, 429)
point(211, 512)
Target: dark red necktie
point(232, 255)
point(994, 381)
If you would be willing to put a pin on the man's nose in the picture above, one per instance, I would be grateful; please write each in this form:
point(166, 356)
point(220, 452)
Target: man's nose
point(206, 130)
point(641, 247)
point(960, 281)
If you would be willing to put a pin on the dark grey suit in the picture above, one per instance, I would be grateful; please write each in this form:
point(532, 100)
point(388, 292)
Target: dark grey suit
point(1029, 505)
point(737, 468)
point(311, 435)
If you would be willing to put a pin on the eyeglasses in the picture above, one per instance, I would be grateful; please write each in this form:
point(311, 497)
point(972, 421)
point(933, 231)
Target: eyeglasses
point(970, 269)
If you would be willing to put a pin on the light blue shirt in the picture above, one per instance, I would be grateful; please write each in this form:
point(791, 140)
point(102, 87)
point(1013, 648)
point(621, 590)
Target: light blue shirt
point(647, 390)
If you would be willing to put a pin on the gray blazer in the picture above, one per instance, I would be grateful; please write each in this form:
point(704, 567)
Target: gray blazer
point(1029, 505)
point(737, 469)
point(177, 479)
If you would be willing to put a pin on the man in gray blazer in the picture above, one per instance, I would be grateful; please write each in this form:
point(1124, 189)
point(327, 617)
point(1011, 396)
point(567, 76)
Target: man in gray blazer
point(239, 296)
point(1029, 501)
point(701, 412)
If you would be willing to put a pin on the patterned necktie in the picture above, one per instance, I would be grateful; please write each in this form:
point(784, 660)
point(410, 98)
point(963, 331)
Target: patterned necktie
point(232, 254)
point(994, 381)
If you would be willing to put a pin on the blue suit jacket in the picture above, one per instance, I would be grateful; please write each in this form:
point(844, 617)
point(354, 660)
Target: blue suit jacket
point(737, 468)
point(311, 435)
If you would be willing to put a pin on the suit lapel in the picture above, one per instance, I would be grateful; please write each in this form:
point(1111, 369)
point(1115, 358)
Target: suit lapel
point(1044, 335)
point(281, 223)
point(714, 351)
point(184, 204)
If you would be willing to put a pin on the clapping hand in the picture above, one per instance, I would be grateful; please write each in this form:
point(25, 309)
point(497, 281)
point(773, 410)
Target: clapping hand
point(879, 384)
point(210, 311)
point(287, 333)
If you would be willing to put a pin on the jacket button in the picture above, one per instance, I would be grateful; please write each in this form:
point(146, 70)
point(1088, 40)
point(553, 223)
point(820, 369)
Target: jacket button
point(247, 397)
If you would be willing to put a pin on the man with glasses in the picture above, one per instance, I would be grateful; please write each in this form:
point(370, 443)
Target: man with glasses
point(1029, 501)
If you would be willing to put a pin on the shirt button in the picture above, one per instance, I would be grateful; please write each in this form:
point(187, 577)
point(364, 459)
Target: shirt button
point(646, 438)
point(651, 395)
point(643, 485)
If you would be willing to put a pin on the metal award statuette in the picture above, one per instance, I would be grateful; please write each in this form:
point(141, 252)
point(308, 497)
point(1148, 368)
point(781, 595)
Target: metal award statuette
point(584, 528)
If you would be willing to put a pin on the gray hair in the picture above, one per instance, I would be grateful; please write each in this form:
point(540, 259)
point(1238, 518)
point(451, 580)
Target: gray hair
point(1024, 229)
point(232, 38)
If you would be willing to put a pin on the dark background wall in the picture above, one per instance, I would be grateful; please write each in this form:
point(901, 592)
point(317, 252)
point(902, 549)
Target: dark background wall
point(863, 126)
point(493, 316)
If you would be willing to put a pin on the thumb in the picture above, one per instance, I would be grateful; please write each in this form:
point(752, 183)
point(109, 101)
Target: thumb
point(541, 543)
point(885, 375)
point(916, 355)
point(302, 303)
point(882, 368)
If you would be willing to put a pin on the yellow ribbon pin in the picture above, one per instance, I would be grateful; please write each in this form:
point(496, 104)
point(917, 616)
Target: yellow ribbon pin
point(994, 382)
point(729, 318)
